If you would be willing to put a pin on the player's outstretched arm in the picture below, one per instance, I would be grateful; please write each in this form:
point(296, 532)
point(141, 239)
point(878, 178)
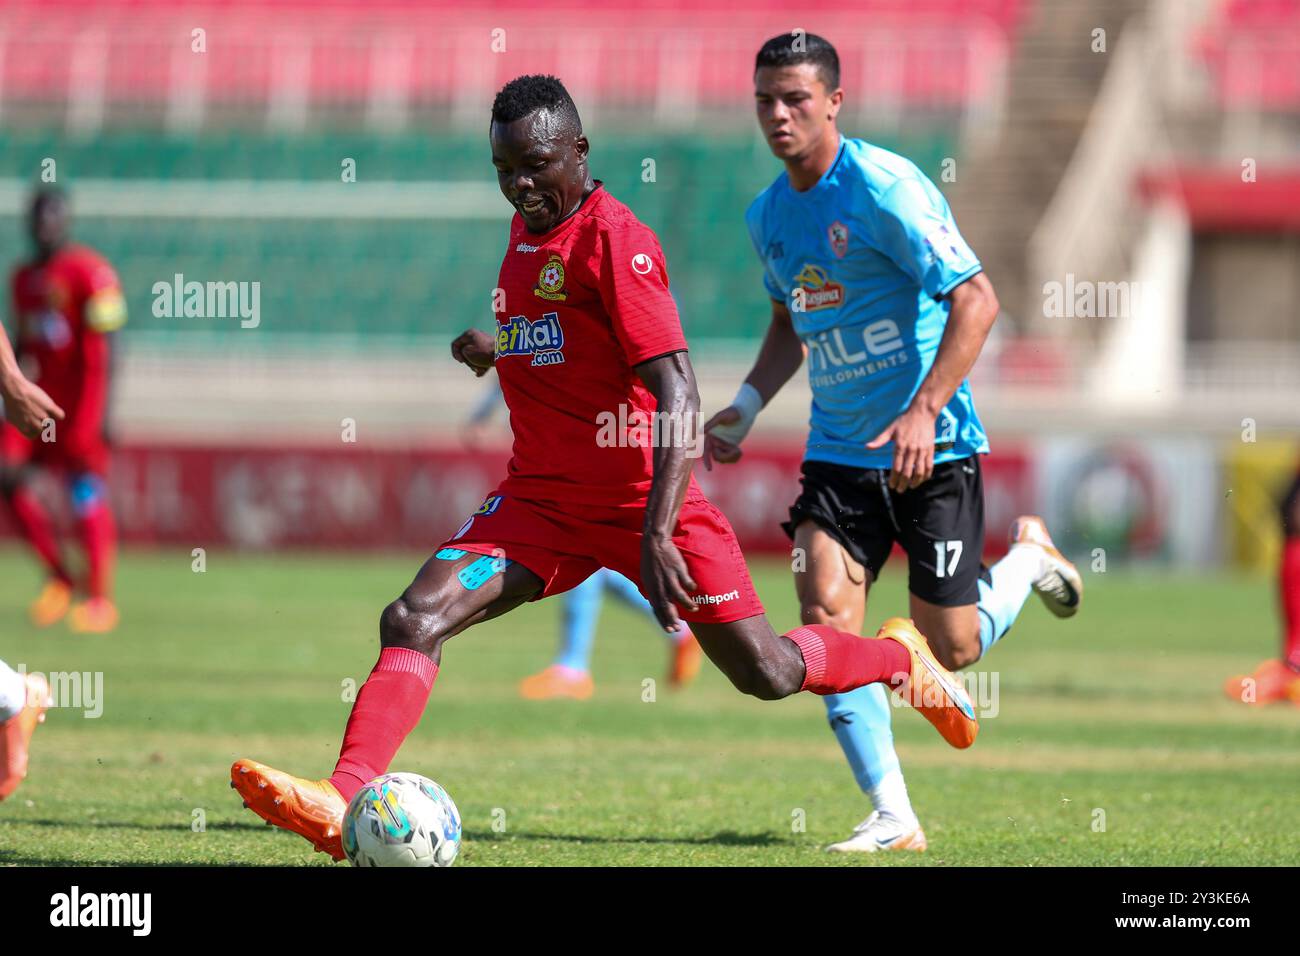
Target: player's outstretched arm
point(974, 308)
point(664, 576)
point(779, 358)
point(474, 348)
point(26, 405)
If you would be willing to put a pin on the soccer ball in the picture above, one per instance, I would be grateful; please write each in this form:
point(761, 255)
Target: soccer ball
point(401, 819)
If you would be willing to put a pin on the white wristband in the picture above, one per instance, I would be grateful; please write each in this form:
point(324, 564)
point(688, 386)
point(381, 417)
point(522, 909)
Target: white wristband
point(749, 403)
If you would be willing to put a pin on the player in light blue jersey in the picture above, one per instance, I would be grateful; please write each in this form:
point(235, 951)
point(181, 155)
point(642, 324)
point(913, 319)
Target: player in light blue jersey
point(872, 282)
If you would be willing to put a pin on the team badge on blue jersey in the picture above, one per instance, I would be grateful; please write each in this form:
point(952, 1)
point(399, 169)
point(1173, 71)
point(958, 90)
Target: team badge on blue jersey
point(838, 233)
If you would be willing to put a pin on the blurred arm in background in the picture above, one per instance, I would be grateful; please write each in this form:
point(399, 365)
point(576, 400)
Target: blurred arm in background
point(25, 405)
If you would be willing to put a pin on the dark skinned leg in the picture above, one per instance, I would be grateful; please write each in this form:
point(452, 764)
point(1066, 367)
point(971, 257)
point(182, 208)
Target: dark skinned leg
point(756, 659)
point(436, 606)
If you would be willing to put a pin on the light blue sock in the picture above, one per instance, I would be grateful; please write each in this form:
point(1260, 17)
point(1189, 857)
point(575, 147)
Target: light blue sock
point(627, 592)
point(1002, 600)
point(581, 608)
point(861, 721)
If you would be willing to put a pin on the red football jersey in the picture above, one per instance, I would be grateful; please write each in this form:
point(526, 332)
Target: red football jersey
point(62, 308)
point(583, 304)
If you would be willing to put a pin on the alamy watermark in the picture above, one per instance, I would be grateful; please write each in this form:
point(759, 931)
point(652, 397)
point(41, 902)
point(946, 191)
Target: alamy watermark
point(1084, 299)
point(179, 299)
point(633, 428)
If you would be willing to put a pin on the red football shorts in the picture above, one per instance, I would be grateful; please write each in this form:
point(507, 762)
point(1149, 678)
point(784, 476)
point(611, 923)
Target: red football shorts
point(70, 454)
point(564, 544)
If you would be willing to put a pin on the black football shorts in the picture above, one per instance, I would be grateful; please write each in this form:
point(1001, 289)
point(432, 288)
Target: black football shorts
point(940, 524)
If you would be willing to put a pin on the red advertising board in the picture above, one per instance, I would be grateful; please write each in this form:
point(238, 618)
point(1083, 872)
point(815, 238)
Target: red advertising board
point(353, 497)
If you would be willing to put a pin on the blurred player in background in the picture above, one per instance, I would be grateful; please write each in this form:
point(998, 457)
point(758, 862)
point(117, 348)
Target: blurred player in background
point(66, 303)
point(870, 278)
point(1278, 679)
point(589, 331)
point(569, 675)
point(23, 697)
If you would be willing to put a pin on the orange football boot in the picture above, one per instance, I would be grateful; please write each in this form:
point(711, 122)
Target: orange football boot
point(557, 681)
point(51, 604)
point(1271, 682)
point(685, 665)
point(931, 688)
point(16, 734)
point(313, 809)
point(93, 616)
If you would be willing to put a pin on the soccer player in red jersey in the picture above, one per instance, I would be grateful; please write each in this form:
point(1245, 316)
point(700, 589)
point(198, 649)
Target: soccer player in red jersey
point(1278, 679)
point(67, 302)
point(589, 351)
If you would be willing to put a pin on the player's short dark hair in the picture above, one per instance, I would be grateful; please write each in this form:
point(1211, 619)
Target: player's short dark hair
point(791, 49)
point(532, 92)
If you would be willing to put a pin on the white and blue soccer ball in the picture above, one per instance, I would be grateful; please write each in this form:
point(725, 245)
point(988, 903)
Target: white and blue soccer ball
point(401, 819)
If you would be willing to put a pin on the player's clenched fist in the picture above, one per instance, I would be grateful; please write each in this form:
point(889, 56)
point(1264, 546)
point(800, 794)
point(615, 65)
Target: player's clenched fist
point(717, 444)
point(474, 348)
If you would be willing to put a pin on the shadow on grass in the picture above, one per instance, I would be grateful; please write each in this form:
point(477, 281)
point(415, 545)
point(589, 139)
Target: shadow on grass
point(721, 838)
point(121, 825)
point(11, 858)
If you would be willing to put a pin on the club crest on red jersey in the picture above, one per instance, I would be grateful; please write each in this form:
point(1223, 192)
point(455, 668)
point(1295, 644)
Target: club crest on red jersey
point(550, 281)
point(838, 233)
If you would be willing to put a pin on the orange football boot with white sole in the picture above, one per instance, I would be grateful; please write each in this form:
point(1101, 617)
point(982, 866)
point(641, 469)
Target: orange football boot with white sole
point(931, 688)
point(313, 809)
point(51, 604)
point(555, 682)
point(1059, 583)
point(685, 666)
point(16, 734)
point(1272, 682)
point(93, 616)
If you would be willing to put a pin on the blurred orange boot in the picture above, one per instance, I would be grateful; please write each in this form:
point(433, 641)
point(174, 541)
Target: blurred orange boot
point(51, 604)
point(557, 681)
point(1271, 682)
point(16, 734)
point(685, 664)
point(93, 616)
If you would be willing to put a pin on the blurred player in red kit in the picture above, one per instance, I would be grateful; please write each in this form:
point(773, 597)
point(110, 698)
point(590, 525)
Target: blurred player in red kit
point(66, 303)
point(589, 335)
point(1278, 679)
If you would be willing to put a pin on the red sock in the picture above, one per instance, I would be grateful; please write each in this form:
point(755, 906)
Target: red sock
point(1290, 587)
point(837, 661)
point(99, 538)
point(387, 708)
point(34, 525)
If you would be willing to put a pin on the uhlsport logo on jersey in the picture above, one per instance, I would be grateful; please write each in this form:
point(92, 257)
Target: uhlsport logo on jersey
point(700, 600)
point(838, 234)
point(814, 289)
point(543, 339)
point(550, 281)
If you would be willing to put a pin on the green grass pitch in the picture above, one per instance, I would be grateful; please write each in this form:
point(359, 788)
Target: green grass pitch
point(1114, 718)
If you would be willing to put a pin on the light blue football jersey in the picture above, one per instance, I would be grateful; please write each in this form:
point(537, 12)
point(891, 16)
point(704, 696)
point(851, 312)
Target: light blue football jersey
point(863, 260)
